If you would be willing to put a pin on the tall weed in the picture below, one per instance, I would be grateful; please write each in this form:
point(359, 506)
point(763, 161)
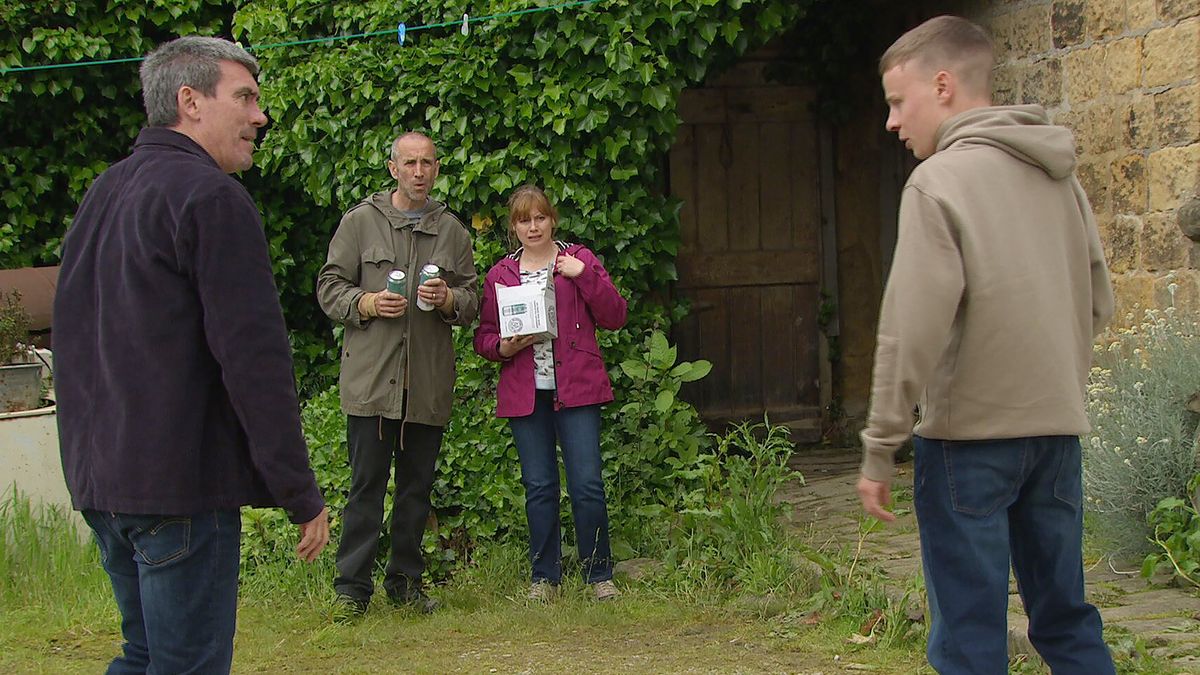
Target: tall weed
point(44, 562)
point(1142, 446)
point(730, 533)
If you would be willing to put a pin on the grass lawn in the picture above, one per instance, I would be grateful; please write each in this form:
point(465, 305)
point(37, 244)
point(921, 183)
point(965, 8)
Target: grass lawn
point(59, 617)
point(493, 631)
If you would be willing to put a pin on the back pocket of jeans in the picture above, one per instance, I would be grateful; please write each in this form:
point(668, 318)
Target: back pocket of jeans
point(1068, 483)
point(983, 475)
point(163, 541)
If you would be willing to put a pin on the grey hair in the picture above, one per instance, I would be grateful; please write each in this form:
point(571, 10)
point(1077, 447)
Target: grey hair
point(406, 136)
point(190, 61)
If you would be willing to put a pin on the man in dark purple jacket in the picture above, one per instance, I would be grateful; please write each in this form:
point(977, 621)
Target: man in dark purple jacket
point(176, 398)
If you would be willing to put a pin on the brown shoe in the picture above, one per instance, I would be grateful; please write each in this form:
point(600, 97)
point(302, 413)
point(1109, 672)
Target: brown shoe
point(606, 590)
point(541, 591)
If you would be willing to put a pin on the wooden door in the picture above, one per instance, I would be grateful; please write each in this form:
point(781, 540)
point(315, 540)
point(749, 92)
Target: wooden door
point(745, 163)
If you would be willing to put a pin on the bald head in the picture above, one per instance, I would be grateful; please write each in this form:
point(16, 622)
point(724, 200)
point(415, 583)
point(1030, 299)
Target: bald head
point(946, 43)
point(411, 139)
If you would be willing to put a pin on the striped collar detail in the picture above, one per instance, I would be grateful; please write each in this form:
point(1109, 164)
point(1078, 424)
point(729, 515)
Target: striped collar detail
point(562, 248)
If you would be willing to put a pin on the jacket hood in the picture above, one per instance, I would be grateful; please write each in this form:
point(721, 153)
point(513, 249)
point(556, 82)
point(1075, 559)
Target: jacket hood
point(382, 202)
point(1023, 131)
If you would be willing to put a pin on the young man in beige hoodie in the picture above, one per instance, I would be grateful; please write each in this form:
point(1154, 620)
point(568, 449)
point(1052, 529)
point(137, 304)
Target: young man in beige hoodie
point(997, 290)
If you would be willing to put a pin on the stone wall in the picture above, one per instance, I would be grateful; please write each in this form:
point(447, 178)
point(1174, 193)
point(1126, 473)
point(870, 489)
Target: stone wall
point(1125, 76)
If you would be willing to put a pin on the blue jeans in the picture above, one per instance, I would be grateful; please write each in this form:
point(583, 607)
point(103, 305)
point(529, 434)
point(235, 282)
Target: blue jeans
point(982, 504)
point(175, 581)
point(578, 432)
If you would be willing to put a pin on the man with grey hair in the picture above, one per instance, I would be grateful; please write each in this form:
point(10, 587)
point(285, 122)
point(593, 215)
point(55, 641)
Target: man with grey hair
point(176, 396)
point(997, 289)
point(397, 377)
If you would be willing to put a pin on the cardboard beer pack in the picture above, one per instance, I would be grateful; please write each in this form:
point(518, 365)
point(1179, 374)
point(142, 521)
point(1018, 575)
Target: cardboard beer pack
point(527, 310)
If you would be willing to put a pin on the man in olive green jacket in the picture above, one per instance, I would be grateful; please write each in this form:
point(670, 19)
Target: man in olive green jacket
point(397, 376)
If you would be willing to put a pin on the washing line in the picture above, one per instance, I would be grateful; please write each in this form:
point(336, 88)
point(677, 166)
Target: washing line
point(399, 31)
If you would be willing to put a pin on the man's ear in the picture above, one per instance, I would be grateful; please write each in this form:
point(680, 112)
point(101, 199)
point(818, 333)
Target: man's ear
point(944, 85)
point(186, 101)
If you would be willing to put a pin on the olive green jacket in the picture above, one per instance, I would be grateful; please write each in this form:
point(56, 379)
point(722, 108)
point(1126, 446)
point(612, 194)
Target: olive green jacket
point(382, 358)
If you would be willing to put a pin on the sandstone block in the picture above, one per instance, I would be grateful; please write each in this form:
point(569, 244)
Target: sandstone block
point(1004, 84)
point(1140, 14)
point(1186, 295)
point(1121, 236)
point(1096, 179)
point(1134, 294)
point(1137, 122)
point(1177, 115)
point(1098, 129)
point(1129, 190)
point(1122, 65)
point(1085, 74)
point(1104, 18)
point(1171, 54)
point(1172, 10)
point(1042, 83)
point(1067, 21)
point(1174, 176)
point(1163, 246)
point(1021, 32)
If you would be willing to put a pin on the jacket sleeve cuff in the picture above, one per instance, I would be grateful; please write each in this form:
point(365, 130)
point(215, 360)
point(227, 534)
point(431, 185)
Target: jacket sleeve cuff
point(307, 507)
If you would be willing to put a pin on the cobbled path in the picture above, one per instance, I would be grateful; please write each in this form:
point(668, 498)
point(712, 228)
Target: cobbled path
point(1163, 617)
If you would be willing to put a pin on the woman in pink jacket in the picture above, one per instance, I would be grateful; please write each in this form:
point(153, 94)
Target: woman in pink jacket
point(552, 390)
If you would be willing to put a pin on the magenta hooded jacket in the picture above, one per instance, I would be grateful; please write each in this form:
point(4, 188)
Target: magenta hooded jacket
point(583, 303)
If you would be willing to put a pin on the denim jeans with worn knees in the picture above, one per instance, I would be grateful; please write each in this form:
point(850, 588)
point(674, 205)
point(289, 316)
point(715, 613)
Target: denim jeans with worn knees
point(175, 580)
point(577, 431)
point(981, 504)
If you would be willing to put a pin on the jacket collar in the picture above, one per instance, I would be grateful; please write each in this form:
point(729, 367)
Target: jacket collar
point(430, 223)
point(516, 255)
point(164, 137)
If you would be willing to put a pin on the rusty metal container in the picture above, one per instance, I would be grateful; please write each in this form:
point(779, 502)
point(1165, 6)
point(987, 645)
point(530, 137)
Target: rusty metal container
point(20, 387)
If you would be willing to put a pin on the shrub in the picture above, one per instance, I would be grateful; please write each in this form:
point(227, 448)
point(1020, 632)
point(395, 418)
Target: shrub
point(1141, 449)
point(730, 533)
point(653, 447)
point(1176, 534)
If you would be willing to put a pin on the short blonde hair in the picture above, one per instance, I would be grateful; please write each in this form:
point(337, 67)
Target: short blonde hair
point(527, 199)
point(946, 43)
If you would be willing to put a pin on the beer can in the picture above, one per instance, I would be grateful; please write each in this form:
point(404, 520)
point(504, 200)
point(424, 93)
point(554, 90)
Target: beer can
point(428, 272)
point(395, 281)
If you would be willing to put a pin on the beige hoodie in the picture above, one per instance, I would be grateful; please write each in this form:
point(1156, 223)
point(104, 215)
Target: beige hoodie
point(997, 290)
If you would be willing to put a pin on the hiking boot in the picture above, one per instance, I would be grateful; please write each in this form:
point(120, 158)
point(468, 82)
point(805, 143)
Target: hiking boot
point(347, 609)
point(606, 590)
point(414, 598)
point(541, 591)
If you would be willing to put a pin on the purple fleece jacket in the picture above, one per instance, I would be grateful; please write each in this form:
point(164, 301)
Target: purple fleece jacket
point(583, 303)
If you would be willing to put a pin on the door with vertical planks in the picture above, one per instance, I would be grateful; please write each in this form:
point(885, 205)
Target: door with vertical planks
point(745, 164)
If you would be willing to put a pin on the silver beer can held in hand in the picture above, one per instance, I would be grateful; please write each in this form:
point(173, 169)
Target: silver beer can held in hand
point(395, 281)
point(428, 272)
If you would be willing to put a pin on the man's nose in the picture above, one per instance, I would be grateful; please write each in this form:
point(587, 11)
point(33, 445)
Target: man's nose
point(259, 118)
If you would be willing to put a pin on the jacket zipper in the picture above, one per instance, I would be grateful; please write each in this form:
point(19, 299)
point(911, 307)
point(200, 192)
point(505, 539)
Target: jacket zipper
point(553, 350)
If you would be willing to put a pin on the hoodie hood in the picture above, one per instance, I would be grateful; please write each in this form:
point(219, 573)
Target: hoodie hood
point(1023, 131)
point(430, 216)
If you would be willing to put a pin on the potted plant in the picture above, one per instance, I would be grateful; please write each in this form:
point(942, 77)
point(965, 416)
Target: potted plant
point(20, 372)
